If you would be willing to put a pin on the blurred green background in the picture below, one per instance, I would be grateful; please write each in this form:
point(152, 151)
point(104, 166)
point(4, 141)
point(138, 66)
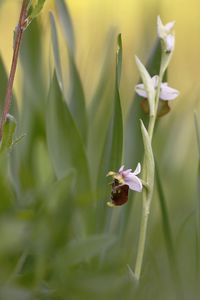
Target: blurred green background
point(59, 240)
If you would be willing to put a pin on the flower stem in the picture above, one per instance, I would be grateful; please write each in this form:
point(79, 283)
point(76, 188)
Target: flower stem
point(142, 237)
point(147, 193)
point(19, 32)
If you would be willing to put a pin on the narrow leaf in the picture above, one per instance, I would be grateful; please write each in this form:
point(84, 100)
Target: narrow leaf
point(66, 23)
point(197, 208)
point(112, 152)
point(56, 51)
point(101, 107)
point(117, 126)
point(165, 217)
point(111, 157)
point(75, 97)
point(64, 142)
point(36, 8)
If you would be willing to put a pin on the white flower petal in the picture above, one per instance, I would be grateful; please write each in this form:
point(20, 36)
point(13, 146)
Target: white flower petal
point(133, 182)
point(170, 42)
point(139, 89)
point(121, 169)
point(159, 26)
point(168, 93)
point(138, 169)
point(164, 30)
point(169, 26)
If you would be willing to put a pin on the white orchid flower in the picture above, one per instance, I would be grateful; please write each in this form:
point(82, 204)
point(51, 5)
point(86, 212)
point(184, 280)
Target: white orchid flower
point(166, 93)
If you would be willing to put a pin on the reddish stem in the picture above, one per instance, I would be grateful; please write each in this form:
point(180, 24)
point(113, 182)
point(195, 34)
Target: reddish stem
point(19, 32)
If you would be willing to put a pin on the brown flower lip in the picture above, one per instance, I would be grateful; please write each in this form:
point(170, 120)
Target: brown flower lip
point(119, 193)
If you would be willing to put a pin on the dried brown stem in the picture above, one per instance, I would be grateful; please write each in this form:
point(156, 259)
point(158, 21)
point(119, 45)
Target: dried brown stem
point(19, 32)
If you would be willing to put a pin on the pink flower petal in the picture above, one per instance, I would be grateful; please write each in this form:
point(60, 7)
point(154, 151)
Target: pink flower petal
point(126, 172)
point(133, 182)
point(140, 90)
point(168, 93)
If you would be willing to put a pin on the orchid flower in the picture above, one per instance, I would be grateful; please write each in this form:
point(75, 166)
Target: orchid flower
point(166, 93)
point(128, 177)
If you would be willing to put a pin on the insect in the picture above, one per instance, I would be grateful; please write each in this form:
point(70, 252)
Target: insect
point(119, 193)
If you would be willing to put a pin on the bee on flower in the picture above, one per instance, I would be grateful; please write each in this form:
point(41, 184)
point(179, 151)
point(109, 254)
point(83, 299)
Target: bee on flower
point(123, 180)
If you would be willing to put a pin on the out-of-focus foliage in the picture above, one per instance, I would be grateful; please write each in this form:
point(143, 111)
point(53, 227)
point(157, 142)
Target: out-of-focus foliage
point(59, 240)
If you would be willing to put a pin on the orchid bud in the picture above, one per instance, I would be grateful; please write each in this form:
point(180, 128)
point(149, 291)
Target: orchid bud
point(166, 34)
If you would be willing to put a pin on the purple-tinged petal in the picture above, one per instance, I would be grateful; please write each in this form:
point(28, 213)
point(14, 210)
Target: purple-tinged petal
point(133, 182)
point(168, 93)
point(126, 172)
point(139, 89)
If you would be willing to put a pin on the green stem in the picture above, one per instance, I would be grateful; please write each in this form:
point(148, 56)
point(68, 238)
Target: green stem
point(142, 237)
point(147, 193)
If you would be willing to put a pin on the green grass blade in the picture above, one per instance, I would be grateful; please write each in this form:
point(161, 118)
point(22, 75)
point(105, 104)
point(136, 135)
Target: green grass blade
point(56, 51)
point(66, 23)
point(75, 97)
point(112, 152)
point(117, 125)
point(101, 108)
point(104, 76)
point(64, 142)
point(164, 216)
point(176, 280)
point(31, 118)
point(197, 208)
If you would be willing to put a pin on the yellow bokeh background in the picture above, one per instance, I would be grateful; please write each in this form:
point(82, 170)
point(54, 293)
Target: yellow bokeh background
point(136, 21)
